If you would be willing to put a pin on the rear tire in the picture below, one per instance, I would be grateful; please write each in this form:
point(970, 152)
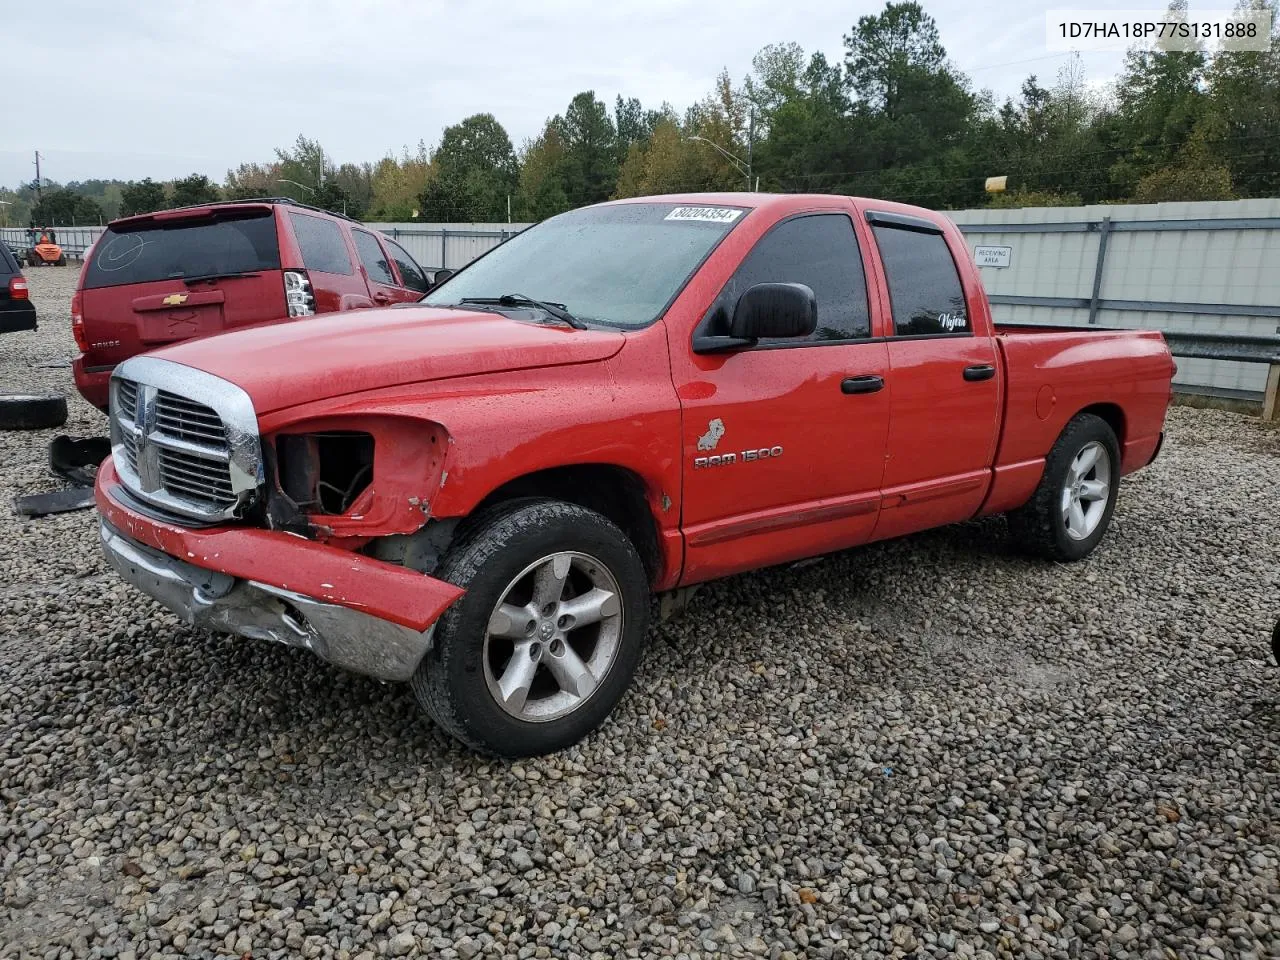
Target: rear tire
point(1070, 511)
point(553, 589)
point(62, 260)
point(32, 411)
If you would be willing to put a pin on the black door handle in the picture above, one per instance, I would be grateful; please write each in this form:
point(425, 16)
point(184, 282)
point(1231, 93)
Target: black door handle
point(983, 371)
point(865, 384)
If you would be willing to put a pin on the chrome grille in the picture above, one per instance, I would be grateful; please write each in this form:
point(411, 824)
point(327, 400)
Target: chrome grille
point(174, 450)
point(128, 397)
point(188, 420)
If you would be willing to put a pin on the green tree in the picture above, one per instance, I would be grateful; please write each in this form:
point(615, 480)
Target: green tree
point(195, 189)
point(1160, 100)
point(65, 208)
point(252, 180)
point(912, 109)
point(590, 144)
point(1244, 100)
point(543, 176)
point(476, 173)
point(397, 184)
point(142, 196)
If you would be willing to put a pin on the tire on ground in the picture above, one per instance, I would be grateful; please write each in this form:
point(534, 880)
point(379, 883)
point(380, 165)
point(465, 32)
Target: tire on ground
point(1040, 525)
point(25, 411)
point(489, 551)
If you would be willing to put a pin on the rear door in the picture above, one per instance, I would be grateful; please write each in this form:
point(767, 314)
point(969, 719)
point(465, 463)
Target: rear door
point(412, 277)
point(384, 285)
point(335, 282)
point(173, 275)
point(944, 415)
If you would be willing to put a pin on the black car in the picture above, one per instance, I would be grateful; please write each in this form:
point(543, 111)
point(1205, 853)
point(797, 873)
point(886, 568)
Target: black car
point(17, 312)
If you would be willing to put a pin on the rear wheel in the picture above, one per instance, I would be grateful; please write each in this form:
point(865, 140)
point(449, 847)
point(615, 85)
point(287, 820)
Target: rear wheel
point(62, 260)
point(547, 637)
point(1070, 511)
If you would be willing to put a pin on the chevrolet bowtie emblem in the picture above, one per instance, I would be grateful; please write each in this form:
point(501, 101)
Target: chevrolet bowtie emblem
point(174, 299)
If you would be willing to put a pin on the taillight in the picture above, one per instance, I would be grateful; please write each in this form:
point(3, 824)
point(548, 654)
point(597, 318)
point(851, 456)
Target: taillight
point(18, 288)
point(297, 293)
point(77, 323)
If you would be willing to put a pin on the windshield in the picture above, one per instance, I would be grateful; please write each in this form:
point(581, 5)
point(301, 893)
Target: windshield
point(237, 242)
point(617, 265)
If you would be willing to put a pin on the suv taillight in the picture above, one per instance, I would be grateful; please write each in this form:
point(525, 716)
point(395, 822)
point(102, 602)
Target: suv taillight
point(18, 287)
point(77, 324)
point(297, 293)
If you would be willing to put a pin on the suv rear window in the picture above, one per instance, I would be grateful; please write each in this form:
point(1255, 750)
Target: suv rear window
point(235, 242)
point(320, 241)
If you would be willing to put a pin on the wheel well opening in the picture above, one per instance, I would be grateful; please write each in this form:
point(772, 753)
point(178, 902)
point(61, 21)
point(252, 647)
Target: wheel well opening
point(615, 492)
point(1113, 416)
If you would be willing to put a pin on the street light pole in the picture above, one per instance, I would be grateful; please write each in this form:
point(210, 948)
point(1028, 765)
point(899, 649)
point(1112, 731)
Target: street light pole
point(310, 190)
point(743, 167)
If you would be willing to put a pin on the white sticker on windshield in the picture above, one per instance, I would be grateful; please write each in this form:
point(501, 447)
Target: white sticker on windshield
point(707, 214)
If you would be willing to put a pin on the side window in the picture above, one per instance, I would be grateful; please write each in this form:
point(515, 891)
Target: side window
point(410, 272)
point(323, 249)
point(820, 251)
point(924, 286)
point(374, 260)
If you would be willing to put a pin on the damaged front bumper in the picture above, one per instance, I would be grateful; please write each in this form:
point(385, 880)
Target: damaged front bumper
point(358, 613)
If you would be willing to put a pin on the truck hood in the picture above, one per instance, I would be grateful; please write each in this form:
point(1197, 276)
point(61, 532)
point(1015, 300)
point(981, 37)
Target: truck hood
point(318, 358)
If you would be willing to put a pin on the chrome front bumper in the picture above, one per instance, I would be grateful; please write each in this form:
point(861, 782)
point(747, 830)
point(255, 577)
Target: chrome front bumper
point(217, 601)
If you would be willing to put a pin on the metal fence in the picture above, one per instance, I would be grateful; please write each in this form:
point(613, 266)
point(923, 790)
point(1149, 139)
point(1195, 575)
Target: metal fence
point(75, 241)
point(450, 245)
point(1205, 274)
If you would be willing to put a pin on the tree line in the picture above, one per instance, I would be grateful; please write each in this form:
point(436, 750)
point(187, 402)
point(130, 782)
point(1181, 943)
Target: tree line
point(894, 118)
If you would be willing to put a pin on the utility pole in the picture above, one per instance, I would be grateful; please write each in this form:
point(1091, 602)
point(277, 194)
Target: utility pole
point(39, 195)
point(751, 139)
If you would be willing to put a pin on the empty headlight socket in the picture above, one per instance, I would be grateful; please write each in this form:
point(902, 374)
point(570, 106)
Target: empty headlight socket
point(318, 474)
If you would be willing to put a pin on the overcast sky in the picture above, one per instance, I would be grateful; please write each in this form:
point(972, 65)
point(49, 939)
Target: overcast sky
point(162, 88)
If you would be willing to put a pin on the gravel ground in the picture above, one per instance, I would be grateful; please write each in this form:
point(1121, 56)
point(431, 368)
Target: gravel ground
point(930, 747)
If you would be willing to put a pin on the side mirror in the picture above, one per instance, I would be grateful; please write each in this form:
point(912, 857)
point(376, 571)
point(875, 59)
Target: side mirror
point(774, 310)
point(440, 277)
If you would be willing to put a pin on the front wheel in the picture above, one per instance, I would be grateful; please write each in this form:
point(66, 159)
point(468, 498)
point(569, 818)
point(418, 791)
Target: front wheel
point(1070, 511)
point(548, 635)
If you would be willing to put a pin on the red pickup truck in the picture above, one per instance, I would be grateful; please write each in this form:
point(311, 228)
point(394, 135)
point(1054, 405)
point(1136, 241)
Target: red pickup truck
point(482, 492)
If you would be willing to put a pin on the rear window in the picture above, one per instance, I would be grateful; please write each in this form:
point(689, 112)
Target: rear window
point(184, 248)
point(924, 287)
point(320, 241)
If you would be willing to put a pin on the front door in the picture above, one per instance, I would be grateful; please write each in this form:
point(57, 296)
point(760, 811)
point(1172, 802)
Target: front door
point(783, 443)
point(946, 388)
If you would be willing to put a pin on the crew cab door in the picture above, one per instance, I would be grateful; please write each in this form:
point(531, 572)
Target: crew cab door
point(783, 442)
point(946, 382)
point(384, 288)
point(335, 282)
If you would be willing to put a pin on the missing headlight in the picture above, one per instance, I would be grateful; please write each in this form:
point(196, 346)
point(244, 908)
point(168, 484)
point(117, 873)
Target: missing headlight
point(323, 473)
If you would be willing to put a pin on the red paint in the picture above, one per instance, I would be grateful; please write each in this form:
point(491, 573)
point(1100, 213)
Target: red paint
point(282, 560)
point(506, 399)
point(113, 323)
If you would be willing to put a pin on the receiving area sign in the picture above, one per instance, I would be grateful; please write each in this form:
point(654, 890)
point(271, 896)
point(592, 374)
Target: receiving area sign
point(992, 256)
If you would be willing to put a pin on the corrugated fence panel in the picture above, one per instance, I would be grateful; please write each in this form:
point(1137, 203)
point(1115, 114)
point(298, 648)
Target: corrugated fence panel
point(1227, 265)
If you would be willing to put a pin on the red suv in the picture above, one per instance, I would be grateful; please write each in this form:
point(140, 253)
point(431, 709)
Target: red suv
point(158, 278)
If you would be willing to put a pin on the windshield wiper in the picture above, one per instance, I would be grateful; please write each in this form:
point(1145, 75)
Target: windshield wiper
point(229, 275)
point(556, 310)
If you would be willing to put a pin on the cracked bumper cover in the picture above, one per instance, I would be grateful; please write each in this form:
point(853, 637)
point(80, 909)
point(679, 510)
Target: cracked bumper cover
point(358, 613)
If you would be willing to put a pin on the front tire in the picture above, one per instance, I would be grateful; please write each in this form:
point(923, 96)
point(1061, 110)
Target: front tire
point(546, 639)
point(1070, 511)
